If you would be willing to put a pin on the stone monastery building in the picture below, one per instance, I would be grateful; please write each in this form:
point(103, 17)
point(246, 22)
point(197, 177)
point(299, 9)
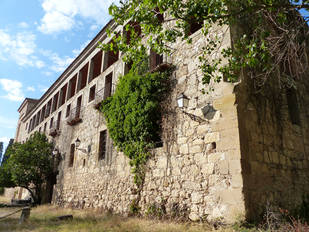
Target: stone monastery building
point(228, 152)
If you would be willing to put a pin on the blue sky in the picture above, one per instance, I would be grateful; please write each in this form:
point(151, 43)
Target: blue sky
point(38, 40)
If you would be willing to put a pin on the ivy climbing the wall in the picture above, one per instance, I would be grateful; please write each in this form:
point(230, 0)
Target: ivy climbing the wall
point(133, 117)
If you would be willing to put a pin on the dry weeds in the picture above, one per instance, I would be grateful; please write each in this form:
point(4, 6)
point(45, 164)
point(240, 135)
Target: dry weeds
point(43, 219)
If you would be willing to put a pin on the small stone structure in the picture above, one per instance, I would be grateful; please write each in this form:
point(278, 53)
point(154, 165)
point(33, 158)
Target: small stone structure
point(225, 155)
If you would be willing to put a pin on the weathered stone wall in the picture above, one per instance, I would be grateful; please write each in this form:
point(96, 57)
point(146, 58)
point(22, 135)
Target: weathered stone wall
point(196, 173)
point(274, 151)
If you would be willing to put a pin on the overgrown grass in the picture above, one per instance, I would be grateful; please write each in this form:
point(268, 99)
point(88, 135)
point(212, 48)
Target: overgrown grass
point(43, 219)
point(4, 200)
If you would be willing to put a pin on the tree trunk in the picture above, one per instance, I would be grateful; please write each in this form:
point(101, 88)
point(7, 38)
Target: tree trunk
point(31, 193)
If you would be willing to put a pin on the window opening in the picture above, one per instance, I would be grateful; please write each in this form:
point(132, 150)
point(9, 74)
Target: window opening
point(55, 102)
point(43, 113)
point(96, 66)
point(82, 80)
point(58, 120)
point(68, 110)
point(72, 151)
point(72, 87)
point(78, 106)
point(155, 59)
point(92, 93)
point(102, 145)
point(110, 58)
point(48, 108)
point(108, 85)
point(51, 123)
point(63, 93)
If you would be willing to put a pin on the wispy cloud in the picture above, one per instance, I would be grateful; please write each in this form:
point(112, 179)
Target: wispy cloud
point(13, 89)
point(20, 48)
point(23, 25)
point(30, 88)
point(59, 63)
point(60, 15)
point(5, 140)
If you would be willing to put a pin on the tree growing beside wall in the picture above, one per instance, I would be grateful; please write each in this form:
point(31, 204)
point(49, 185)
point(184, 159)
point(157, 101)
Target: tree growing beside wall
point(29, 165)
point(268, 35)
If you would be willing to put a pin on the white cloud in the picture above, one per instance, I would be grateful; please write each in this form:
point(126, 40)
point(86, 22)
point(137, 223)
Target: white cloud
point(20, 48)
point(43, 89)
point(23, 25)
point(94, 27)
point(47, 73)
point(5, 140)
point(30, 88)
point(13, 89)
point(59, 64)
point(60, 15)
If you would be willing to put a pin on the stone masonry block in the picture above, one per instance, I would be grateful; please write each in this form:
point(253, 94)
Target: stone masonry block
point(208, 169)
point(237, 181)
point(215, 157)
point(202, 129)
point(195, 149)
point(225, 102)
point(224, 167)
point(231, 196)
point(184, 149)
point(234, 166)
point(212, 137)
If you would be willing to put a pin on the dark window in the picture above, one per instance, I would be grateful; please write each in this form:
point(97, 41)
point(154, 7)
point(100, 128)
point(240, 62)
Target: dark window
point(55, 102)
point(82, 79)
point(63, 93)
point(78, 106)
point(155, 59)
point(58, 120)
point(91, 93)
point(29, 125)
point(132, 26)
point(110, 58)
point(72, 151)
point(40, 130)
point(102, 145)
point(108, 85)
point(96, 64)
point(45, 125)
point(72, 87)
point(158, 15)
point(48, 108)
point(127, 67)
point(38, 118)
point(34, 121)
point(293, 106)
point(43, 114)
point(68, 110)
point(51, 123)
point(194, 26)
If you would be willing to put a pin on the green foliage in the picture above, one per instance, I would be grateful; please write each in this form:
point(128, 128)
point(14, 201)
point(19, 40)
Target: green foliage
point(156, 210)
point(28, 163)
point(134, 208)
point(133, 116)
point(270, 35)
